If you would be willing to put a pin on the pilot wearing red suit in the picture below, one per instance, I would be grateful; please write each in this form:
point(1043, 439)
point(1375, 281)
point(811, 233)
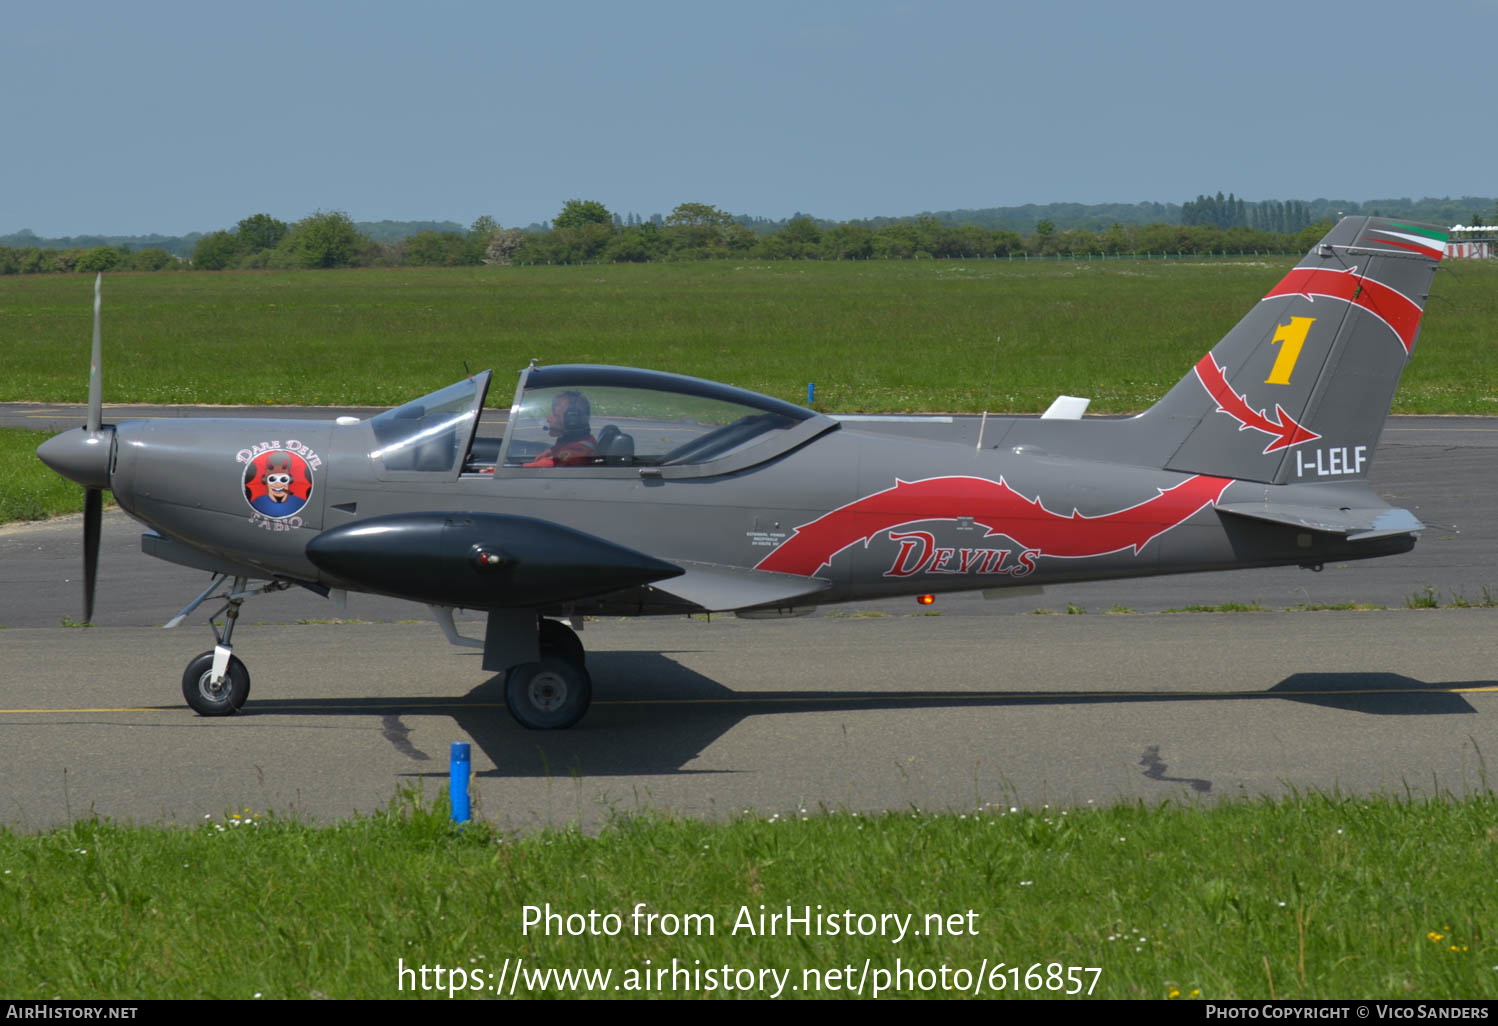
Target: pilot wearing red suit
point(568, 423)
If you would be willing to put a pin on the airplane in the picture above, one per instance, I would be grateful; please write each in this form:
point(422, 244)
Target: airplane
point(617, 491)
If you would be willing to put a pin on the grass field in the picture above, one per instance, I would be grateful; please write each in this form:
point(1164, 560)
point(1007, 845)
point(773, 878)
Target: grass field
point(1312, 897)
point(873, 336)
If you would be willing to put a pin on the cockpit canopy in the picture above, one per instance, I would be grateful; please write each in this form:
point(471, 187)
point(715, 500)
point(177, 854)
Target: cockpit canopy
point(616, 416)
point(584, 418)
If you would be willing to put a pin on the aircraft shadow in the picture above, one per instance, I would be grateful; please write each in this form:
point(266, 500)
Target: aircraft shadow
point(651, 715)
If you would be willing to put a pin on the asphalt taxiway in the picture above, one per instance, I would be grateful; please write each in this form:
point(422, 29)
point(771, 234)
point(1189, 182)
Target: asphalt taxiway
point(867, 707)
point(712, 718)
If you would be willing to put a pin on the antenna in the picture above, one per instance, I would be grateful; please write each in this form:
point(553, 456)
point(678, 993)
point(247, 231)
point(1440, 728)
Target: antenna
point(992, 369)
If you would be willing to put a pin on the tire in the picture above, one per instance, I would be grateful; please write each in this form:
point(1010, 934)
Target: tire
point(561, 642)
point(203, 698)
point(552, 694)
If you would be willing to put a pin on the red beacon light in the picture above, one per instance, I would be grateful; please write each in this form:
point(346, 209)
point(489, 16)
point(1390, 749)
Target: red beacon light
point(926, 600)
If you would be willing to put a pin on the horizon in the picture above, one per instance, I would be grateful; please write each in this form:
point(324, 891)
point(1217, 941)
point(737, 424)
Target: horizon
point(1492, 216)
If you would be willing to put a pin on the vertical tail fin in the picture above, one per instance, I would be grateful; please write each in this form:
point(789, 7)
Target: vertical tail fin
point(1298, 391)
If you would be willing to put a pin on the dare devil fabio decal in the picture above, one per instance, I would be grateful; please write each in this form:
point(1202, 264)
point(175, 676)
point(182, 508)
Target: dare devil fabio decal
point(1000, 511)
point(278, 480)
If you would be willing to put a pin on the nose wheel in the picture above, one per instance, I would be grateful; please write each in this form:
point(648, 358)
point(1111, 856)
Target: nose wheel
point(215, 694)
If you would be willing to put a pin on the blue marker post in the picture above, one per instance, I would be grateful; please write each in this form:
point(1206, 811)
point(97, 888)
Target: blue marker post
point(811, 392)
point(457, 783)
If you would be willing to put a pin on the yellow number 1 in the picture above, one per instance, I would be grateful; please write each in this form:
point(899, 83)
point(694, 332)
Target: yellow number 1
point(1294, 336)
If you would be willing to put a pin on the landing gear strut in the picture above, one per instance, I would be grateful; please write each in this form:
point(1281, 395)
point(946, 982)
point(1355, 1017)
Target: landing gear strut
point(216, 682)
point(554, 692)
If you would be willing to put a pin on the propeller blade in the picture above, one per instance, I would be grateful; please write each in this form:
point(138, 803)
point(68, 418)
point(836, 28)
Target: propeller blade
point(93, 514)
point(95, 382)
point(93, 498)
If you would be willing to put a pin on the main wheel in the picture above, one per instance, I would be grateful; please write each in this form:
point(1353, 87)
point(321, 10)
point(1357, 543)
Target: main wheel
point(561, 641)
point(207, 699)
point(548, 695)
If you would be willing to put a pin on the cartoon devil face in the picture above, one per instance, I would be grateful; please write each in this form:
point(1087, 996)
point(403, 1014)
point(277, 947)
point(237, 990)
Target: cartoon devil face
point(278, 476)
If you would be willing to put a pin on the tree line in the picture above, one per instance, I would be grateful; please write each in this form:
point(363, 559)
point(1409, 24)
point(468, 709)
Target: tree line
point(586, 231)
point(1229, 211)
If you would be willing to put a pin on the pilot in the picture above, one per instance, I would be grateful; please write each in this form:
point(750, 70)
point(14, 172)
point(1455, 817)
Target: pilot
point(568, 424)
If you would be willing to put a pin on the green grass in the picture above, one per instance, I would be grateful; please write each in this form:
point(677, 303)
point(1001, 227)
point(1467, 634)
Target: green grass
point(28, 490)
point(1430, 598)
point(1325, 896)
point(878, 336)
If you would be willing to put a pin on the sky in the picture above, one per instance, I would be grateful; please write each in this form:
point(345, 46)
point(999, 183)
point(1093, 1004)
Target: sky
point(168, 117)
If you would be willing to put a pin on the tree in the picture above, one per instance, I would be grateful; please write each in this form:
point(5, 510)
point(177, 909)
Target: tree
point(258, 232)
point(629, 245)
point(321, 240)
point(436, 249)
point(502, 246)
point(153, 259)
point(576, 213)
point(800, 239)
point(697, 230)
point(100, 258)
point(215, 251)
point(480, 234)
point(701, 215)
point(848, 242)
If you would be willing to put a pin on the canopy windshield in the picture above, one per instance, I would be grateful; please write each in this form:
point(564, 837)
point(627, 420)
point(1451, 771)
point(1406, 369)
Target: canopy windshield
point(431, 433)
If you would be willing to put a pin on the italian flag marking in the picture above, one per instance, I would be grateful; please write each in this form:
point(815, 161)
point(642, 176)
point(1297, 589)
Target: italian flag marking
point(1412, 237)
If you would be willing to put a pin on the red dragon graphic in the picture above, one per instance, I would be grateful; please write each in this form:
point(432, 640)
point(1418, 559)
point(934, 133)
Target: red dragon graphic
point(1000, 510)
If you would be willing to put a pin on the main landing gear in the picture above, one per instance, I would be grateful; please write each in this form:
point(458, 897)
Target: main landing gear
point(555, 691)
point(547, 686)
point(216, 682)
point(549, 692)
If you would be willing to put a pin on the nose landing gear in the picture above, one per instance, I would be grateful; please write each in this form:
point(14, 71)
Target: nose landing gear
point(216, 682)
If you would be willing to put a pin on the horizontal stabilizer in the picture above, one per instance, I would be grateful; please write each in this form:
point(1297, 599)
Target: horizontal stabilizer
point(717, 588)
point(1352, 523)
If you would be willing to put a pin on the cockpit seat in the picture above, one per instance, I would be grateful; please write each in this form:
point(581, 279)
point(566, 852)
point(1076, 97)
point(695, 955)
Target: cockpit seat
point(616, 448)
